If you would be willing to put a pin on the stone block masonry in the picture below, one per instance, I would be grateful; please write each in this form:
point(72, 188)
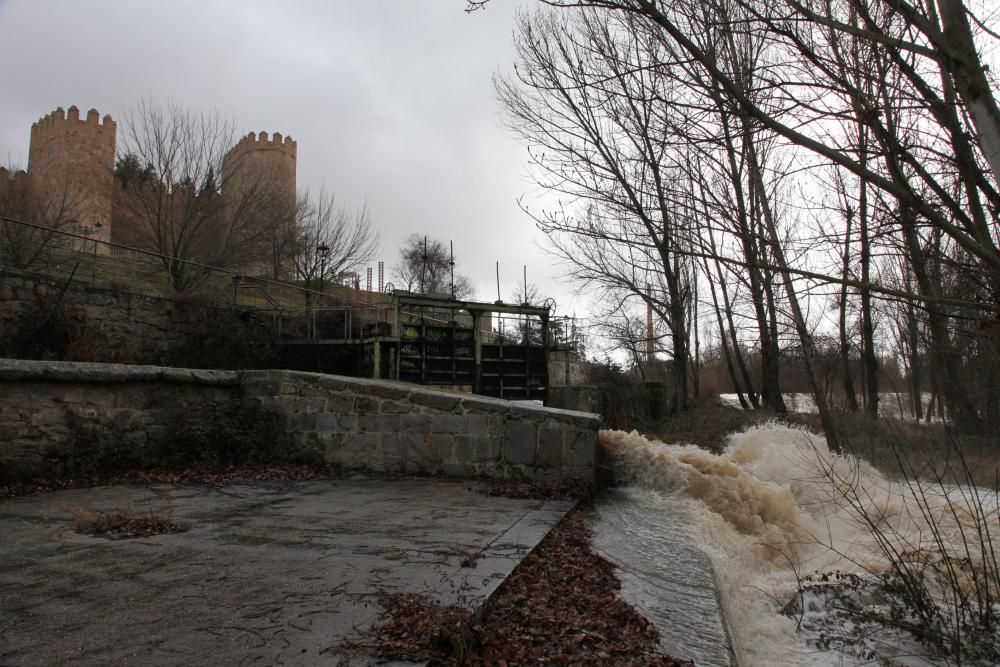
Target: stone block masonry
point(363, 424)
point(396, 427)
point(113, 325)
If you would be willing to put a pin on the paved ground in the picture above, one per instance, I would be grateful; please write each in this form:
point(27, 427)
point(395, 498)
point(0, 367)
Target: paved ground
point(273, 573)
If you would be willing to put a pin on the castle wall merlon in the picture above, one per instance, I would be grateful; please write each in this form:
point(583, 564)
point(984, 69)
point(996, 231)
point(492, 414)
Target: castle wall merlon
point(52, 117)
point(255, 141)
point(71, 114)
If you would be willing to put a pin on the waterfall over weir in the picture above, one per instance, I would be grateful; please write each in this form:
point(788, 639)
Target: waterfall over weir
point(773, 508)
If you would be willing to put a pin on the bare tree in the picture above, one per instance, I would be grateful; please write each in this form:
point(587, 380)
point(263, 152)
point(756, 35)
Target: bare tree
point(589, 101)
point(170, 170)
point(524, 328)
point(46, 214)
point(426, 267)
point(329, 239)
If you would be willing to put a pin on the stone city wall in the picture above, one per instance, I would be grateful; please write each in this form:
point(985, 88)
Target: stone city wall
point(104, 324)
point(358, 424)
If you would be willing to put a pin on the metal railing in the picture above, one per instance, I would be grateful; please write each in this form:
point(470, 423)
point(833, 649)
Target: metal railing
point(61, 254)
point(331, 324)
point(297, 312)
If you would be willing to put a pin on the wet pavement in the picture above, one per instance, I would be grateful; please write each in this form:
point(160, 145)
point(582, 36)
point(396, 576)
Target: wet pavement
point(269, 573)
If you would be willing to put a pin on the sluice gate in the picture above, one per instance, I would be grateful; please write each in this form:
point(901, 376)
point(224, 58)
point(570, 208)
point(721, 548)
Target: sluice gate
point(493, 349)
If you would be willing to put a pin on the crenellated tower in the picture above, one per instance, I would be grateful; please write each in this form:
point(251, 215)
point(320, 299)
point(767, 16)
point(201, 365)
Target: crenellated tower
point(258, 175)
point(70, 185)
point(71, 164)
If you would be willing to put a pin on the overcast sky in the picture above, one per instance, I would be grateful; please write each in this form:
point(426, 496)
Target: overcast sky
point(391, 102)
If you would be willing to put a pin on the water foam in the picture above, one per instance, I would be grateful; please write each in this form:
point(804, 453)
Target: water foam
point(776, 505)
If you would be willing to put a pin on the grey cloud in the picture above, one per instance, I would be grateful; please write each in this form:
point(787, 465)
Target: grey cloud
point(391, 102)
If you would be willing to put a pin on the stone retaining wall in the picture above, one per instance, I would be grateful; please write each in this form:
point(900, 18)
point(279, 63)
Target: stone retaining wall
point(366, 424)
point(393, 426)
point(113, 325)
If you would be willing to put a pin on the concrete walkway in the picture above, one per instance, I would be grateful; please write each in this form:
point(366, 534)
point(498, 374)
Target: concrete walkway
point(270, 573)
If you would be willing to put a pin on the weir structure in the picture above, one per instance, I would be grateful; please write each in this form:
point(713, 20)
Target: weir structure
point(428, 340)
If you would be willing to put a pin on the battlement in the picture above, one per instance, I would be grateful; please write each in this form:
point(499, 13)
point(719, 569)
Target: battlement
point(71, 162)
point(260, 141)
point(59, 117)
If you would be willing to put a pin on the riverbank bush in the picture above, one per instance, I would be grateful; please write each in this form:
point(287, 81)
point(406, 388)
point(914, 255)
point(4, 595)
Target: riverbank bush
point(900, 449)
point(936, 530)
point(707, 423)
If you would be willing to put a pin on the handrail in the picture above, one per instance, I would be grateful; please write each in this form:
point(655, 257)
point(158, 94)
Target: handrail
point(231, 273)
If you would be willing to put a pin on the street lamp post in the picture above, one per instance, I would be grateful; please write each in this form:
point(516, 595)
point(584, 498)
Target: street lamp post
point(323, 250)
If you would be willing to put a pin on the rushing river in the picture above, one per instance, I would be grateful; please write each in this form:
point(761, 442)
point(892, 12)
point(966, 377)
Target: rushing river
point(775, 507)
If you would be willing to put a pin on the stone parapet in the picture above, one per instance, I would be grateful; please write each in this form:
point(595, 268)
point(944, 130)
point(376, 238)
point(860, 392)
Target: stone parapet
point(395, 427)
point(374, 425)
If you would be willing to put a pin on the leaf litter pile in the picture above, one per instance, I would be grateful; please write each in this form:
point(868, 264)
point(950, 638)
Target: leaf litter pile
point(570, 489)
point(122, 524)
point(559, 607)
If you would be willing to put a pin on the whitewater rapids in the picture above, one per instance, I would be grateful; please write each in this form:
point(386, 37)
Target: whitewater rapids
point(776, 506)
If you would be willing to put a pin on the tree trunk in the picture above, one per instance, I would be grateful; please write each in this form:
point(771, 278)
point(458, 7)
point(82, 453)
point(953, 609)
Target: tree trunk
point(693, 325)
point(845, 349)
point(724, 340)
point(868, 355)
point(805, 339)
point(913, 343)
point(945, 366)
point(770, 385)
point(969, 77)
point(741, 363)
point(678, 338)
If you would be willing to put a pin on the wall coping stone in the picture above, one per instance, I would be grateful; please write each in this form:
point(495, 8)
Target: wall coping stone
point(20, 370)
point(420, 395)
point(351, 422)
point(23, 370)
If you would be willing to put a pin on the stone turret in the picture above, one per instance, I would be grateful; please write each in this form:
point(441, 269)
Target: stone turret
point(260, 171)
point(71, 163)
point(256, 160)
